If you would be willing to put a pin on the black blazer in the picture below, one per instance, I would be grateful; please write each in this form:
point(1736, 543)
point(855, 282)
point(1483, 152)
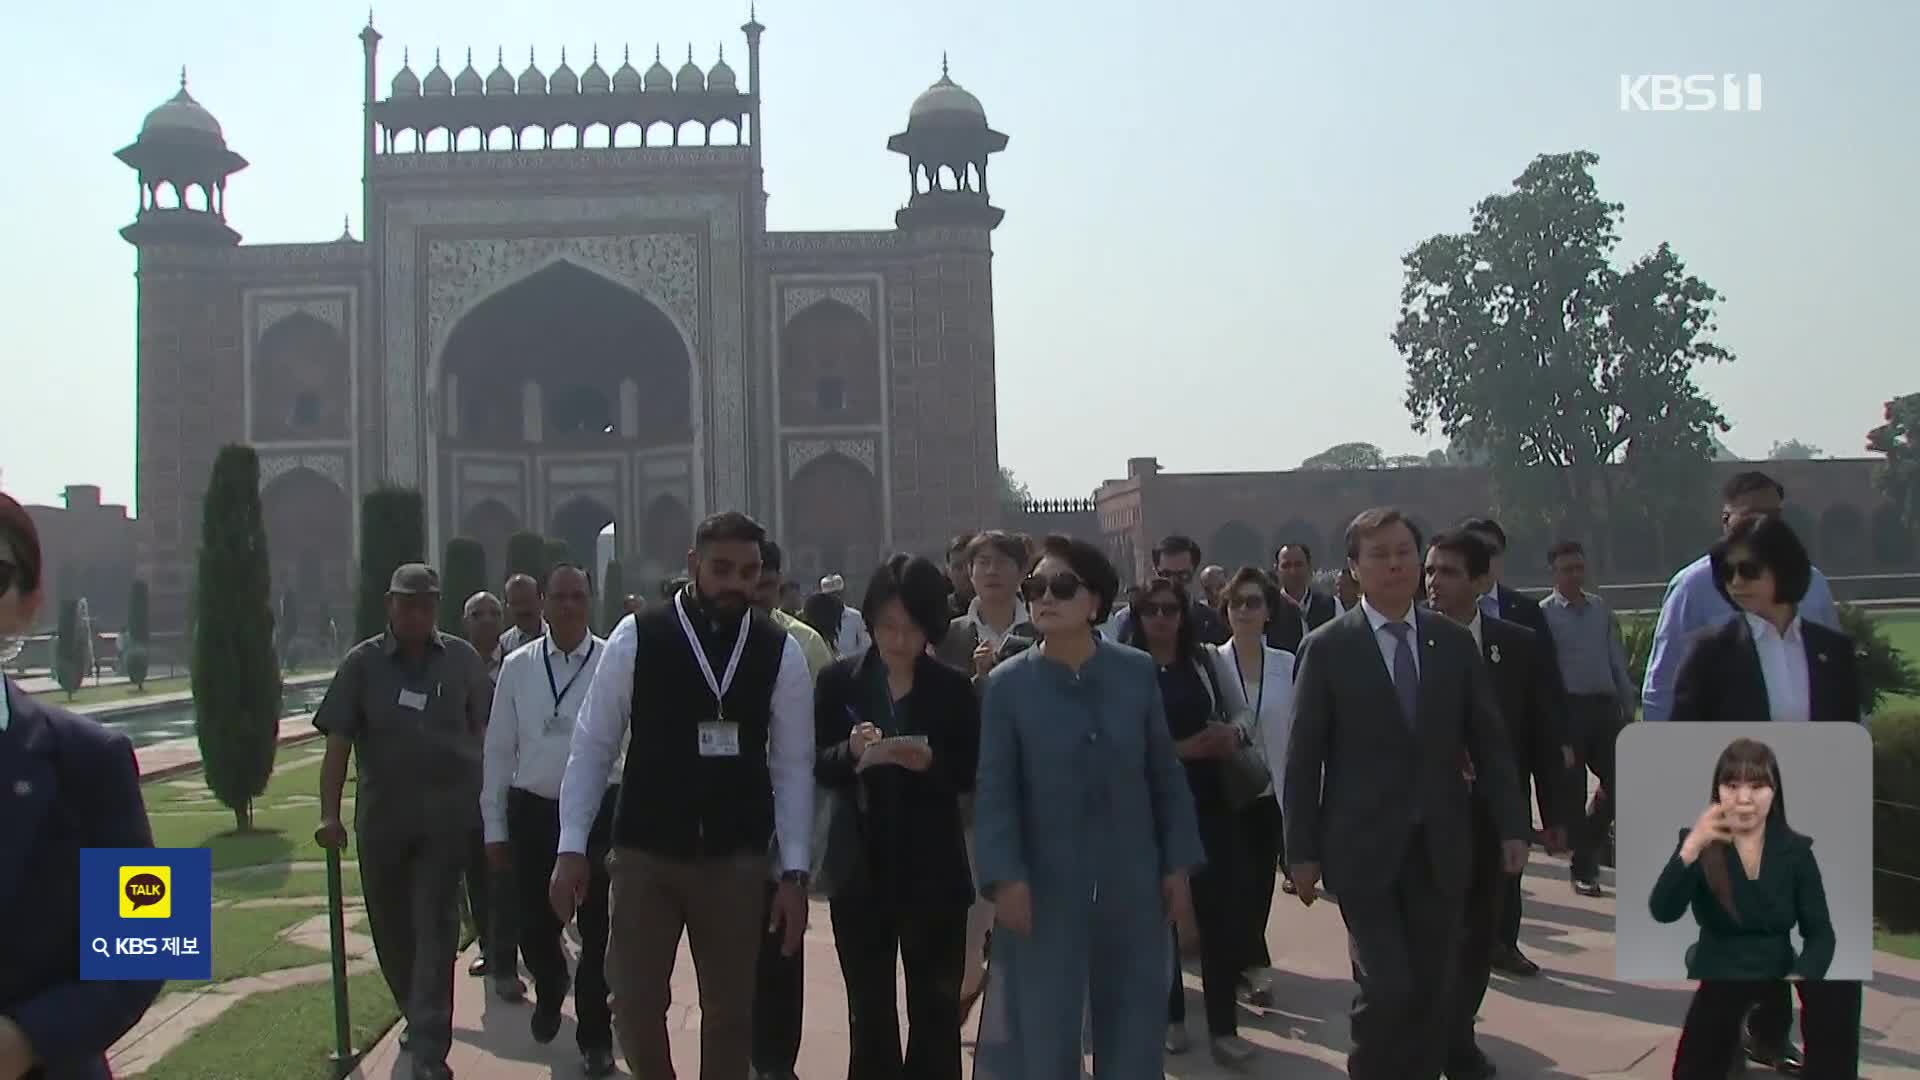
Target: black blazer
point(1532, 709)
point(914, 843)
point(1357, 773)
point(1758, 944)
point(65, 783)
point(1721, 678)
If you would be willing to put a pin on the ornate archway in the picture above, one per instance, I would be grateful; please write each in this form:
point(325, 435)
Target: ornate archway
point(578, 523)
point(299, 382)
point(834, 521)
point(309, 520)
point(829, 367)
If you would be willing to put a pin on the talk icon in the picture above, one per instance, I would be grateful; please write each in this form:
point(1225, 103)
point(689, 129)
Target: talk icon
point(146, 892)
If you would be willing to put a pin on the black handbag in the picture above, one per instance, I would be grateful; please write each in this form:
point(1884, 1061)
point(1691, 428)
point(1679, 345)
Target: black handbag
point(1244, 774)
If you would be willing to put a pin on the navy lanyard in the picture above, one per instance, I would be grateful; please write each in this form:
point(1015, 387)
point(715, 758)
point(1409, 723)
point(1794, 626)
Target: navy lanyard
point(1242, 676)
point(560, 692)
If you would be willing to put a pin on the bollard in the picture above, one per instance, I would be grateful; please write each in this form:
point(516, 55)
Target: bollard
point(343, 1057)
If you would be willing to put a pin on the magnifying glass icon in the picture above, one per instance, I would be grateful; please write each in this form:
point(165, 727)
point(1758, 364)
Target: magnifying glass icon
point(100, 946)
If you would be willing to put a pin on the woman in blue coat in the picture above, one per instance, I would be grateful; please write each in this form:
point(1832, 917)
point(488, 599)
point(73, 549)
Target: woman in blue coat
point(1085, 835)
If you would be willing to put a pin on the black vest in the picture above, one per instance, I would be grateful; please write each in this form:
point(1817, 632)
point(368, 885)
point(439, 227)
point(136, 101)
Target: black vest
point(674, 803)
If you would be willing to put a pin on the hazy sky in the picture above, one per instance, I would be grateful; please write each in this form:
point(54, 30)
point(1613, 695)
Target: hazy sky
point(1206, 201)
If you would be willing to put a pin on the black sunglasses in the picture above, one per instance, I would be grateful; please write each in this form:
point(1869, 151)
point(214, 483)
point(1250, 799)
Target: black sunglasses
point(1062, 586)
point(1247, 601)
point(1166, 608)
point(1746, 569)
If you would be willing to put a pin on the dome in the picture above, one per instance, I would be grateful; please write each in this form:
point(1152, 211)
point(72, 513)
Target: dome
point(626, 80)
point(500, 80)
point(594, 80)
point(946, 102)
point(531, 80)
point(468, 81)
point(406, 84)
point(437, 82)
point(182, 117)
point(720, 77)
point(658, 77)
point(691, 79)
point(564, 80)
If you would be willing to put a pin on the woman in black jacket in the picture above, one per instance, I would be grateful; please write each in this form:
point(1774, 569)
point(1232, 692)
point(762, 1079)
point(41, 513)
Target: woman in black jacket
point(1749, 881)
point(898, 737)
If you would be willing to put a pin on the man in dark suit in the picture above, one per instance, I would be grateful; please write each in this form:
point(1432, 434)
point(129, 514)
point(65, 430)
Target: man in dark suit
point(1388, 701)
point(1293, 569)
point(68, 783)
point(1457, 566)
point(1177, 558)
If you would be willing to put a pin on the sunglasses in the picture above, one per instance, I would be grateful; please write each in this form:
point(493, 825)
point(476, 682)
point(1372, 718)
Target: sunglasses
point(8, 572)
point(1061, 586)
point(1248, 602)
point(1746, 570)
point(1162, 609)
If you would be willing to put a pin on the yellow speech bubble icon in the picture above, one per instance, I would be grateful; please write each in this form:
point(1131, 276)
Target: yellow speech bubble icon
point(146, 892)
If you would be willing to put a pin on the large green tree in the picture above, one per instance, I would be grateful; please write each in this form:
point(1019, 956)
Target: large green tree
point(135, 654)
point(236, 676)
point(1525, 344)
point(1794, 450)
point(1347, 455)
point(393, 530)
point(1898, 477)
point(526, 554)
point(463, 572)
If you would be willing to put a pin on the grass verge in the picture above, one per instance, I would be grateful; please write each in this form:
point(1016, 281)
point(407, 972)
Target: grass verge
point(286, 1034)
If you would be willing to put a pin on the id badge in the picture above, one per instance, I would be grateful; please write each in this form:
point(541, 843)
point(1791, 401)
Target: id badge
point(413, 699)
point(719, 738)
point(559, 725)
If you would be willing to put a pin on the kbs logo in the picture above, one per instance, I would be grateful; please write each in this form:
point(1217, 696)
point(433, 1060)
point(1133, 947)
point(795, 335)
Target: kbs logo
point(1689, 93)
point(146, 892)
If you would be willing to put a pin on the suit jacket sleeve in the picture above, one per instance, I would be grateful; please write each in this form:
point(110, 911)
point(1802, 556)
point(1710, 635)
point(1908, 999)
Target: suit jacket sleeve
point(77, 1021)
point(1308, 739)
point(1490, 745)
point(1175, 820)
point(1554, 781)
point(1696, 684)
point(1816, 925)
point(999, 808)
point(833, 721)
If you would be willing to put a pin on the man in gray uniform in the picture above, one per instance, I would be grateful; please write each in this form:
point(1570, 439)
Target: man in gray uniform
point(411, 706)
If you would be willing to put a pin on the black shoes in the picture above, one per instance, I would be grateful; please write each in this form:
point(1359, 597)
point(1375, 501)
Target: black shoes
point(1510, 961)
point(1474, 1066)
point(1587, 887)
point(546, 1011)
point(1781, 1057)
point(597, 1062)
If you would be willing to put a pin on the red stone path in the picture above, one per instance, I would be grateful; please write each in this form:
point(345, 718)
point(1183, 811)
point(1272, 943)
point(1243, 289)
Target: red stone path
point(1574, 1020)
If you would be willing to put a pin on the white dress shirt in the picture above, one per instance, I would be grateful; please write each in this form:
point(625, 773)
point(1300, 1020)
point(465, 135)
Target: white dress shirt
point(853, 639)
point(1268, 699)
point(1783, 663)
point(1474, 629)
point(609, 705)
point(994, 638)
point(1387, 642)
point(529, 732)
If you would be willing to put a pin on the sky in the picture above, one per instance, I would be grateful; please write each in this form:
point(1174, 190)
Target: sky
point(1206, 202)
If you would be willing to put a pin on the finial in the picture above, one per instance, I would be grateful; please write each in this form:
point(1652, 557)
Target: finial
point(183, 76)
point(406, 56)
point(689, 52)
point(500, 55)
point(943, 63)
point(753, 12)
point(530, 62)
point(469, 56)
point(656, 52)
point(563, 56)
point(723, 52)
point(436, 57)
point(369, 18)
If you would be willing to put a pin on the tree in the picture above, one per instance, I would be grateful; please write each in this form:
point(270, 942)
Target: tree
point(1014, 492)
point(552, 553)
point(236, 676)
point(613, 597)
point(1406, 461)
point(1347, 455)
point(526, 554)
point(463, 572)
point(134, 655)
point(1882, 669)
point(72, 655)
point(1794, 450)
point(1524, 344)
point(1898, 477)
point(393, 531)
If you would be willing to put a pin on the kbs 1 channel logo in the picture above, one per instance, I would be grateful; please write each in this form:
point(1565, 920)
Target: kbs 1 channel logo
point(146, 913)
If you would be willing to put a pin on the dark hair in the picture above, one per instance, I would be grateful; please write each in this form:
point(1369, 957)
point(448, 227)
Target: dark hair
point(1090, 565)
point(566, 565)
point(728, 527)
point(17, 526)
point(1470, 546)
point(919, 584)
point(823, 612)
point(1368, 522)
point(1486, 526)
point(523, 579)
point(1304, 550)
point(1565, 547)
point(1187, 641)
point(959, 545)
point(1013, 547)
point(1775, 546)
point(1176, 545)
point(1744, 761)
point(1751, 482)
point(769, 556)
point(1253, 575)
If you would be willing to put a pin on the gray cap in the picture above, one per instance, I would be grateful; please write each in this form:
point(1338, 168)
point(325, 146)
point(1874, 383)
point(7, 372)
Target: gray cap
point(414, 579)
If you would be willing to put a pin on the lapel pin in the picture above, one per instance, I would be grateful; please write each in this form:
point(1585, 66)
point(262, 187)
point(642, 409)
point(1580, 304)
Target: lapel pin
point(1493, 653)
point(1822, 657)
point(22, 788)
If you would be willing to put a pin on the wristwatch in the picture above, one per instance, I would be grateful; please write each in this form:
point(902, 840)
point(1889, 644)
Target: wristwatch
point(798, 877)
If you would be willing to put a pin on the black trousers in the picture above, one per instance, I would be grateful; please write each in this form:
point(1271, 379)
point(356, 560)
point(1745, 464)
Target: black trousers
point(491, 902)
point(1260, 826)
point(1829, 1018)
point(1405, 944)
point(1219, 897)
point(533, 828)
point(779, 1001)
point(931, 943)
point(1594, 720)
point(1485, 889)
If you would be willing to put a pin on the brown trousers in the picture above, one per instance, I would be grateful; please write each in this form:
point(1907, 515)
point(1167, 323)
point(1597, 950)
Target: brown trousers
point(720, 904)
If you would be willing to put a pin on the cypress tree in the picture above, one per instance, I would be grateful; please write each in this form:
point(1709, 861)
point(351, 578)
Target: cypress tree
point(393, 531)
point(526, 554)
point(462, 573)
point(552, 553)
point(133, 652)
point(70, 660)
point(236, 676)
point(613, 597)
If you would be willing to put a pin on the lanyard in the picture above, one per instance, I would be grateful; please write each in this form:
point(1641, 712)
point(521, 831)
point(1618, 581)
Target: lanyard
point(724, 683)
point(1261, 698)
point(560, 692)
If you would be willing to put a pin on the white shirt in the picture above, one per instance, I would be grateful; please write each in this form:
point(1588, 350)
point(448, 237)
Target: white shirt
point(528, 732)
point(1268, 699)
point(603, 720)
point(1387, 642)
point(1472, 628)
point(1783, 664)
point(516, 637)
point(994, 638)
point(853, 639)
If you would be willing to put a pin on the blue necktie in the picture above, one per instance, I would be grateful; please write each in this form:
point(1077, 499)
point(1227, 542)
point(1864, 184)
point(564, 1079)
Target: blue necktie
point(1406, 676)
point(1490, 605)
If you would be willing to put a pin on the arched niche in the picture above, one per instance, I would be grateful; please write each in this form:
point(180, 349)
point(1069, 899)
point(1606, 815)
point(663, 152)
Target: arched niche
point(829, 367)
point(578, 522)
point(833, 519)
point(300, 381)
point(1843, 538)
point(1236, 544)
point(309, 522)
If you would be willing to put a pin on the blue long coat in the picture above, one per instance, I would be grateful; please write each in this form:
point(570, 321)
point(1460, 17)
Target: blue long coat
point(1080, 796)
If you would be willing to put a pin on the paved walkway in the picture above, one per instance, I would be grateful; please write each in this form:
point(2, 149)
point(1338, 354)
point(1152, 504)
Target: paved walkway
point(1573, 1020)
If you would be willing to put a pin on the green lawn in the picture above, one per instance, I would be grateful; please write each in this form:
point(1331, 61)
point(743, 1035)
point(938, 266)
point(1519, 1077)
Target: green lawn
point(286, 1035)
point(1903, 632)
point(124, 693)
point(1907, 945)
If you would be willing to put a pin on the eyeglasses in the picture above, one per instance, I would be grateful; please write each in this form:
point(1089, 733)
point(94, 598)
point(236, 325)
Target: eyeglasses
point(1248, 602)
point(1062, 586)
point(1163, 609)
point(1746, 570)
point(8, 572)
point(1179, 577)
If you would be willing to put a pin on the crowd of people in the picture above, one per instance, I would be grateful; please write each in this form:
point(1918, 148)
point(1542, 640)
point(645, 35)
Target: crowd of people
point(1026, 789)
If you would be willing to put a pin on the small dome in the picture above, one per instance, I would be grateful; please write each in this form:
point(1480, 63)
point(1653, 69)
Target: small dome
point(658, 77)
point(946, 102)
point(531, 80)
point(564, 81)
point(182, 117)
point(500, 80)
point(437, 83)
point(594, 80)
point(720, 77)
point(626, 80)
point(406, 84)
point(690, 80)
point(468, 81)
